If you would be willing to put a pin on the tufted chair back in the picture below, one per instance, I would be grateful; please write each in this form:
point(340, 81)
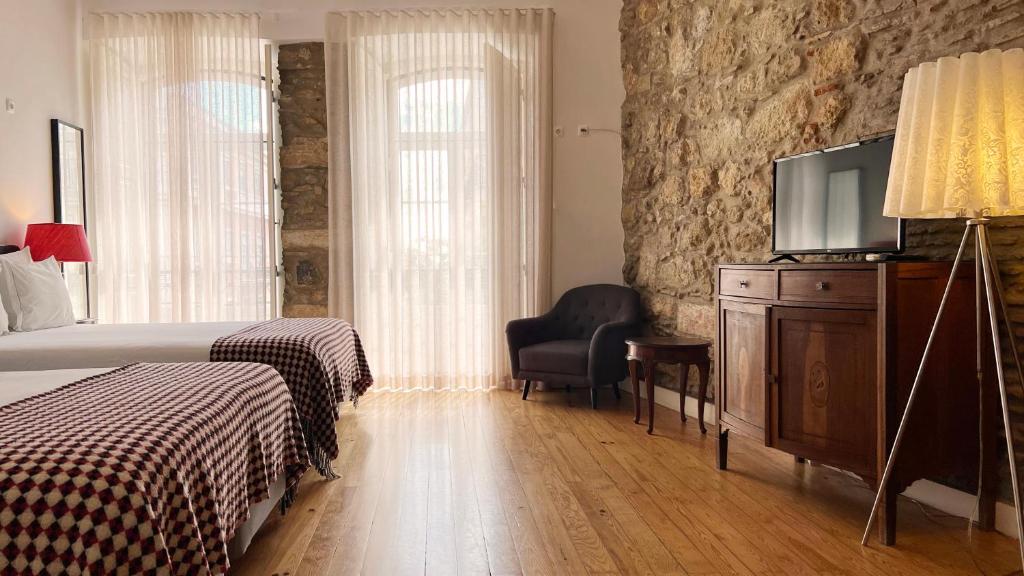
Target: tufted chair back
point(581, 310)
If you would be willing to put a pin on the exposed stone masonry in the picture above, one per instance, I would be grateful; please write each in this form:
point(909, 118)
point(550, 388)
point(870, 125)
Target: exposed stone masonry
point(715, 89)
point(303, 117)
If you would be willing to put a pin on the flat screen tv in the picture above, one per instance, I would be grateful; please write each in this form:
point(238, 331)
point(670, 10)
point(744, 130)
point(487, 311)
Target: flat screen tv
point(830, 201)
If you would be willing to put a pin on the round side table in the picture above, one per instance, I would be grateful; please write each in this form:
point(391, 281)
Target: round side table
point(648, 352)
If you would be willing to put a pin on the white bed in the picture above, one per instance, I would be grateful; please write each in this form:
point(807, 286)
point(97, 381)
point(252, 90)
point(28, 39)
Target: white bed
point(111, 345)
point(16, 386)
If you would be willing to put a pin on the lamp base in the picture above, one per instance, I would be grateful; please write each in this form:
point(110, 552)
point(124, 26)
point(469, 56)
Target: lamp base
point(994, 304)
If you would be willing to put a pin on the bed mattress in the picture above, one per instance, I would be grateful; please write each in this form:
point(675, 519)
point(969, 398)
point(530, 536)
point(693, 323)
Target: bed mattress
point(111, 345)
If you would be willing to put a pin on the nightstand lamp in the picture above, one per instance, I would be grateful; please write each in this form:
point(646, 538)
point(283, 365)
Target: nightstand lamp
point(65, 242)
point(959, 153)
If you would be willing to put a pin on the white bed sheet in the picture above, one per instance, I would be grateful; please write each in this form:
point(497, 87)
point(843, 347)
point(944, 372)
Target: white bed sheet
point(16, 386)
point(111, 345)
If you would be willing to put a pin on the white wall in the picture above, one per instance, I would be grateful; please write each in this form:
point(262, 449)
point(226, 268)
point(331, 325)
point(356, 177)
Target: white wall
point(39, 70)
point(587, 234)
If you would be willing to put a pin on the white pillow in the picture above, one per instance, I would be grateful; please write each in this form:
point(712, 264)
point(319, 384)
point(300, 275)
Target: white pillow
point(42, 296)
point(23, 256)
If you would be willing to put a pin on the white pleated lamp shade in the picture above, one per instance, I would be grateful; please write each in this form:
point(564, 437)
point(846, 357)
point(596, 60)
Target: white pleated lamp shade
point(959, 147)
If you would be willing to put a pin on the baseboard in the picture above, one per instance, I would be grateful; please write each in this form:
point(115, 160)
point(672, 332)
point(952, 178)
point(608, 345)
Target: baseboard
point(959, 503)
point(942, 498)
point(670, 399)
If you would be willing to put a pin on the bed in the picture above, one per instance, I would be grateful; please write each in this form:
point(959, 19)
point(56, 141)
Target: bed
point(111, 345)
point(16, 386)
point(321, 360)
point(147, 467)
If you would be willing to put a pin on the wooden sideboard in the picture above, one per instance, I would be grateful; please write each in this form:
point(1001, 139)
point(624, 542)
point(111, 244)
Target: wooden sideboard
point(817, 360)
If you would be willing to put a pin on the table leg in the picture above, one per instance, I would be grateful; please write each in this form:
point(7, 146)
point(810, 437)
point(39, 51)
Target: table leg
point(634, 380)
point(702, 392)
point(723, 448)
point(649, 374)
point(684, 375)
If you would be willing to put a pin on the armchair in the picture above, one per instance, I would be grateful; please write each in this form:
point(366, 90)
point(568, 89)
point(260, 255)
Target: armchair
point(580, 342)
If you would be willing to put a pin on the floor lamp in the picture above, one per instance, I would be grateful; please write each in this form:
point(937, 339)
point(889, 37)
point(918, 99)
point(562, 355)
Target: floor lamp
point(959, 152)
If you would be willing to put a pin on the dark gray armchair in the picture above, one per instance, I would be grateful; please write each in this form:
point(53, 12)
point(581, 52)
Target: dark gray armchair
point(580, 342)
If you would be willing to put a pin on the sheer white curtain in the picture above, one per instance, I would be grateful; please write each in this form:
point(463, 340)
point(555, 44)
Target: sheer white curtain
point(181, 209)
point(440, 187)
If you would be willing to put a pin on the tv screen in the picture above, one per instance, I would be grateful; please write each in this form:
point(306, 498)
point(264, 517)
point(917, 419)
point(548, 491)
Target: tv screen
point(830, 201)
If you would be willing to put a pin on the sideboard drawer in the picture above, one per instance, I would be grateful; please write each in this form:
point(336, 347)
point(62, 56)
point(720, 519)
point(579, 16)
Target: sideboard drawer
point(847, 286)
point(749, 283)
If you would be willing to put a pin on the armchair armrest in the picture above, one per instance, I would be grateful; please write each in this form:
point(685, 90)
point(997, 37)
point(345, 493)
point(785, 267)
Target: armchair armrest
point(526, 332)
point(607, 361)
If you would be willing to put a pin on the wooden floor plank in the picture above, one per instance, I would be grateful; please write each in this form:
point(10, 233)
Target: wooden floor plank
point(441, 544)
point(485, 483)
point(385, 522)
point(515, 507)
point(344, 529)
point(470, 542)
point(572, 543)
point(632, 544)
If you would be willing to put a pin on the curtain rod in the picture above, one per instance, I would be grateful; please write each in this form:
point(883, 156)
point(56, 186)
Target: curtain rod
point(173, 12)
point(434, 11)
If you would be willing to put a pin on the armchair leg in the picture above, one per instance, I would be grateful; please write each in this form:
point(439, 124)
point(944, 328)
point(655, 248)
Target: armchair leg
point(526, 389)
point(618, 393)
point(593, 398)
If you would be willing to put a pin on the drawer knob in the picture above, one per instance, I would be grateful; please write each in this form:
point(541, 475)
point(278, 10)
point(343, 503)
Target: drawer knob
point(744, 283)
point(821, 285)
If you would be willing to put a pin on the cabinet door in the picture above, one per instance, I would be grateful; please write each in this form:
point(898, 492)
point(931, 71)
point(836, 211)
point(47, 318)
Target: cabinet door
point(823, 385)
point(742, 340)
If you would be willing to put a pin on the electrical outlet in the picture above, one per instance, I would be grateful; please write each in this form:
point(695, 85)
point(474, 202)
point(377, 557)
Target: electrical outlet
point(9, 105)
point(583, 130)
point(559, 131)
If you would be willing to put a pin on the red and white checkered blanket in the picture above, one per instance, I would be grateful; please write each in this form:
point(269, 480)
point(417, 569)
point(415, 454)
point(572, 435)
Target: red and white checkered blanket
point(322, 361)
point(147, 468)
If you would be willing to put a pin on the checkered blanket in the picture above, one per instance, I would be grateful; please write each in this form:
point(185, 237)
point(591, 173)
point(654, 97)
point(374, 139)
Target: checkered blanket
point(322, 361)
point(147, 468)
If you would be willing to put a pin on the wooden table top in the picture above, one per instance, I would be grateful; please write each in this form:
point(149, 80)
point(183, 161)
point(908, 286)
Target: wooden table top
point(669, 342)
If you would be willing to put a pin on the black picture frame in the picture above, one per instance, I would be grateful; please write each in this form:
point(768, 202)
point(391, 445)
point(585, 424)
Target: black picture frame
point(57, 159)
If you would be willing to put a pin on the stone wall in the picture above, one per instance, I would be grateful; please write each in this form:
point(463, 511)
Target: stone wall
point(715, 89)
point(302, 112)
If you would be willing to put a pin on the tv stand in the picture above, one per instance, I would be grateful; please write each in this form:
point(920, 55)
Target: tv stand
point(817, 360)
point(887, 257)
point(784, 258)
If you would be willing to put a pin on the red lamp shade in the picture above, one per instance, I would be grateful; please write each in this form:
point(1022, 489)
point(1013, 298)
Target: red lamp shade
point(65, 242)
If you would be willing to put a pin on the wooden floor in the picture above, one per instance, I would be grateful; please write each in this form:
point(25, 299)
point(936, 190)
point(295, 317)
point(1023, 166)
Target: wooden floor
point(485, 483)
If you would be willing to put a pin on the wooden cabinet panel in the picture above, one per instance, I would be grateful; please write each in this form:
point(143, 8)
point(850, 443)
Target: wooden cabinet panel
point(743, 332)
point(824, 385)
point(747, 283)
point(840, 286)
